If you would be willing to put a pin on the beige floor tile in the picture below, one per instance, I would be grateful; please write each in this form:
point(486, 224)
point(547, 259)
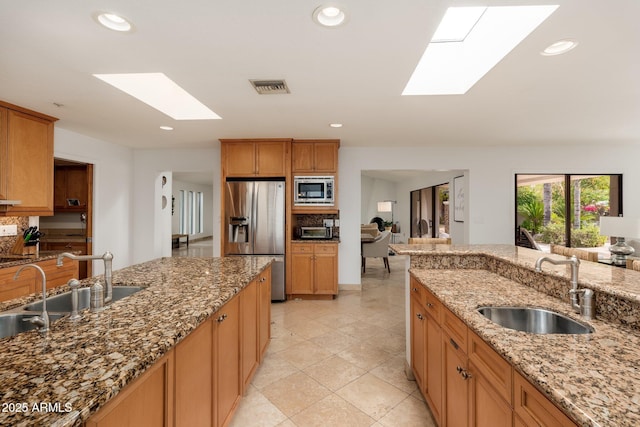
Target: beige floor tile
point(392, 371)
point(332, 411)
point(336, 320)
point(283, 341)
point(365, 355)
point(256, 410)
point(295, 393)
point(372, 395)
point(334, 373)
point(418, 395)
point(286, 423)
point(309, 329)
point(410, 412)
point(304, 354)
point(388, 341)
point(334, 341)
point(273, 368)
point(360, 330)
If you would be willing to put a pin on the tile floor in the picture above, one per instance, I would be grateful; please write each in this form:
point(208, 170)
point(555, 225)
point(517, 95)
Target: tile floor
point(335, 363)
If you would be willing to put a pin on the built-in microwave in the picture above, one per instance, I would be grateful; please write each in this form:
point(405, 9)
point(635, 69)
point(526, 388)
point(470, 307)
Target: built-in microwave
point(313, 190)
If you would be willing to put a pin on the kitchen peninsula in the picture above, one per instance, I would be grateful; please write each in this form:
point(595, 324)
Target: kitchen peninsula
point(79, 369)
point(590, 379)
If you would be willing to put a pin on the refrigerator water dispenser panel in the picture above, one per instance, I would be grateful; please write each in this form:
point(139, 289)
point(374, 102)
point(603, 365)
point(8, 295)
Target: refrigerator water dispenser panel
point(238, 229)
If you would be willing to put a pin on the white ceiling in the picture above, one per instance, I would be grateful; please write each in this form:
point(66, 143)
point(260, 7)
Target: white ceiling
point(353, 74)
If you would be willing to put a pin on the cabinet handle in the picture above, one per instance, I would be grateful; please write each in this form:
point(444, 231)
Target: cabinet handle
point(264, 279)
point(419, 316)
point(459, 369)
point(429, 305)
point(222, 318)
point(453, 343)
point(415, 289)
point(465, 375)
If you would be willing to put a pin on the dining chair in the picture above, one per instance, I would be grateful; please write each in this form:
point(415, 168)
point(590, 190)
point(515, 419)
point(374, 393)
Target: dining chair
point(379, 248)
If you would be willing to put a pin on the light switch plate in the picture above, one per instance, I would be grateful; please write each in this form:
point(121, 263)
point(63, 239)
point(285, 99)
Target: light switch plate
point(327, 223)
point(8, 230)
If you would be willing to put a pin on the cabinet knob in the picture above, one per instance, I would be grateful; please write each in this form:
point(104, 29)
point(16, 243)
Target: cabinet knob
point(459, 369)
point(222, 318)
point(465, 374)
point(419, 316)
point(415, 289)
point(429, 305)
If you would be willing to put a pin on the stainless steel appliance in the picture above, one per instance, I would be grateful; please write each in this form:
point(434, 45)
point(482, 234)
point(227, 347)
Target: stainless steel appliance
point(313, 190)
point(255, 224)
point(316, 233)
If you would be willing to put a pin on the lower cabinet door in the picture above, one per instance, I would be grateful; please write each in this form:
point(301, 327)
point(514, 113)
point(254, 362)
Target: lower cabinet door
point(194, 378)
point(227, 361)
point(488, 409)
point(434, 368)
point(249, 321)
point(456, 411)
point(142, 403)
point(265, 311)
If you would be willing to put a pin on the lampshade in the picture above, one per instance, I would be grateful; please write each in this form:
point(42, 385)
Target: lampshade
point(618, 226)
point(386, 206)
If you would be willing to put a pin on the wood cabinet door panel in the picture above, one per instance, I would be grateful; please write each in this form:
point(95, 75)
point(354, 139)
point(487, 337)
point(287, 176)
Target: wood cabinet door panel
point(487, 407)
point(326, 274)
point(249, 335)
point(265, 311)
point(194, 378)
point(302, 276)
point(533, 408)
point(418, 342)
point(302, 157)
point(326, 157)
point(497, 370)
point(239, 159)
point(433, 372)
point(227, 360)
point(271, 158)
point(456, 411)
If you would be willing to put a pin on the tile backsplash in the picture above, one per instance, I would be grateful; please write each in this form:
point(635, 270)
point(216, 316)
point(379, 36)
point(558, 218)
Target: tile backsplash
point(7, 242)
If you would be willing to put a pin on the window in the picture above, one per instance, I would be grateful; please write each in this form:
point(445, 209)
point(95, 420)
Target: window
point(565, 209)
point(182, 212)
point(191, 210)
point(429, 206)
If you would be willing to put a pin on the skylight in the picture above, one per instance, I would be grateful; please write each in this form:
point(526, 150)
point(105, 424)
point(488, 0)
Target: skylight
point(468, 43)
point(161, 93)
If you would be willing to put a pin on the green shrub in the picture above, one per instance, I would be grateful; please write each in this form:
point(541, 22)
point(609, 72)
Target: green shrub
point(553, 233)
point(587, 237)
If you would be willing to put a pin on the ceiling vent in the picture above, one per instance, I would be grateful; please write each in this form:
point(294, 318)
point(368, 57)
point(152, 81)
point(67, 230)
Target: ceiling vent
point(270, 87)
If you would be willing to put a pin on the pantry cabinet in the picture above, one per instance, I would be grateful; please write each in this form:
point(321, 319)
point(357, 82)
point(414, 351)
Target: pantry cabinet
point(466, 382)
point(247, 158)
point(314, 269)
point(26, 162)
point(314, 156)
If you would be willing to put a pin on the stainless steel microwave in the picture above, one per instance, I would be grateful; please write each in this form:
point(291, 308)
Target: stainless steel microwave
point(313, 190)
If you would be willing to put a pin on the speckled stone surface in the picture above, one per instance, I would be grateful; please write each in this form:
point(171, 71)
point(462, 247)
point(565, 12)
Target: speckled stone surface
point(594, 378)
point(85, 363)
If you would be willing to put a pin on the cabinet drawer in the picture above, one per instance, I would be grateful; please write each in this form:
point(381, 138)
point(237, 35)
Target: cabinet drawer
point(533, 408)
point(326, 248)
point(497, 370)
point(302, 248)
point(455, 328)
point(417, 291)
point(433, 306)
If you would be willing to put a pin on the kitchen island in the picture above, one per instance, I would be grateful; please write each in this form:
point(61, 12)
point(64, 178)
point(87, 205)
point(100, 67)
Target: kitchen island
point(64, 378)
point(592, 378)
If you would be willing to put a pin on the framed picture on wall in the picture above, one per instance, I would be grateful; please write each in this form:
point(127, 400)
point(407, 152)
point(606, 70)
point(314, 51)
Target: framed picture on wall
point(458, 199)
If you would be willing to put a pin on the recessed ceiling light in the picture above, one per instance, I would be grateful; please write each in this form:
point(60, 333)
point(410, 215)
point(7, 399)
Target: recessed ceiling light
point(329, 15)
point(456, 59)
point(166, 128)
point(161, 93)
point(559, 47)
point(336, 125)
point(113, 22)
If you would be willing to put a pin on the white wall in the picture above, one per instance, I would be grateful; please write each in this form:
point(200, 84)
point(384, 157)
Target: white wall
point(148, 166)
point(489, 175)
point(374, 190)
point(113, 194)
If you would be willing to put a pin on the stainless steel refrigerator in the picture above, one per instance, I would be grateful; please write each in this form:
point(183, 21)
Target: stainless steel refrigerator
point(255, 224)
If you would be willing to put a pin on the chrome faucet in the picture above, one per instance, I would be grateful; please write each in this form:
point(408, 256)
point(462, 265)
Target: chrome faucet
point(41, 321)
point(586, 307)
point(107, 257)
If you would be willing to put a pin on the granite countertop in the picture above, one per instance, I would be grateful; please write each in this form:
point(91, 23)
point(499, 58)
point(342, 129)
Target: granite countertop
point(83, 364)
point(593, 377)
point(13, 260)
point(332, 240)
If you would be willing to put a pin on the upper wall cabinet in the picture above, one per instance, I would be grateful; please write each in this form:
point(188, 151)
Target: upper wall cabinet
point(26, 162)
point(255, 158)
point(314, 156)
point(70, 189)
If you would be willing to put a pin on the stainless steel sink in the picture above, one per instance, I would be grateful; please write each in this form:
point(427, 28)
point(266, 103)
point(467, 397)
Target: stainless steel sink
point(62, 302)
point(14, 323)
point(534, 320)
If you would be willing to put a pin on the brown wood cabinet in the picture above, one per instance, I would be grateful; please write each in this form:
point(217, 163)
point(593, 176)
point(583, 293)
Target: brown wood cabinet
point(227, 386)
point(70, 185)
point(314, 156)
point(26, 161)
point(249, 318)
point(255, 158)
point(264, 308)
point(194, 378)
point(314, 269)
point(145, 402)
point(28, 282)
point(80, 247)
point(464, 381)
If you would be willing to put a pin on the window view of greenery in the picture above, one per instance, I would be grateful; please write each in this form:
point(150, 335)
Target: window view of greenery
point(546, 203)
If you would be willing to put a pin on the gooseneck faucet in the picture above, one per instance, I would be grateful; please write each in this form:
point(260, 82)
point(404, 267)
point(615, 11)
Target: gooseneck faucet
point(107, 257)
point(586, 307)
point(43, 320)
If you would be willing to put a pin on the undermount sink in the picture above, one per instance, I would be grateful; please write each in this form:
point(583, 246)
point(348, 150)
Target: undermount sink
point(62, 302)
point(14, 323)
point(534, 320)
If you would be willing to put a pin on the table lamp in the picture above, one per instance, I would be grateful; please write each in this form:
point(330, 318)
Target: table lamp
point(619, 227)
